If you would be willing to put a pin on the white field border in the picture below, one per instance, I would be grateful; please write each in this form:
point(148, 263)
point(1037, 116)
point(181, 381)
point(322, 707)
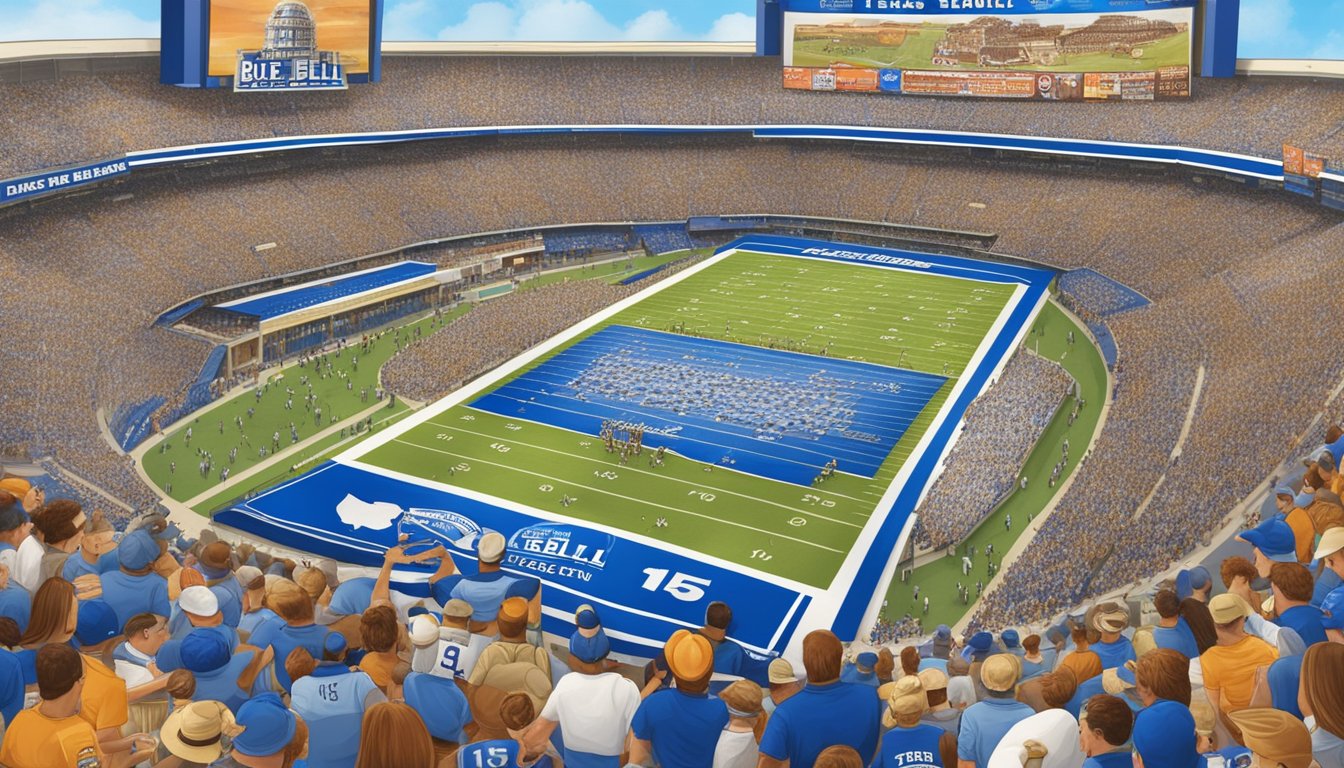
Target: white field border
point(825, 602)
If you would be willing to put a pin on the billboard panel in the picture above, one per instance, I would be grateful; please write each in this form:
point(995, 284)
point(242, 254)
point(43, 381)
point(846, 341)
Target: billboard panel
point(288, 45)
point(1312, 165)
point(1292, 159)
point(1122, 49)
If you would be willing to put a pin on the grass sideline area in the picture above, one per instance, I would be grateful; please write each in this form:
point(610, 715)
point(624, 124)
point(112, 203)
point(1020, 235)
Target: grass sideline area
point(937, 580)
point(270, 415)
point(920, 322)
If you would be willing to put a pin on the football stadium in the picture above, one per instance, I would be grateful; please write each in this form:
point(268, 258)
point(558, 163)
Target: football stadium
point(836, 397)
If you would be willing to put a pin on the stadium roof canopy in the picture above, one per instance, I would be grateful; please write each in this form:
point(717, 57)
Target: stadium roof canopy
point(284, 301)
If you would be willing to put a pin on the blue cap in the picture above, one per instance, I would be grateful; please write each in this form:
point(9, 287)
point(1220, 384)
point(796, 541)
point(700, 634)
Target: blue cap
point(1127, 675)
point(97, 623)
point(137, 550)
point(1164, 736)
point(12, 516)
point(1283, 490)
point(267, 726)
point(204, 650)
point(1189, 580)
point(943, 632)
point(1332, 609)
point(867, 660)
point(589, 650)
point(586, 617)
point(1285, 676)
point(1010, 638)
point(1303, 499)
point(1274, 539)
point(169, 657)
point(334, 644)
point(421, 610)
point(444, 712)
point(981, 641)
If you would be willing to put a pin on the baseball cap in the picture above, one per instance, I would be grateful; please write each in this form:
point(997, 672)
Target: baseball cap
point(1275, 736)
point(781, 672)
point(267, 726)
point(1332, 609)
point(490, 547)
point(586, 617)
point(248, 575)
point(204, 650)
point(12, 516)
point(1274, 539)
point(1189, 580)
point(689, 655)
point(1110, 617)
point(943, 632)
point(457, 609)
point(743, 698)
point(907, 696)
point(198, 601)
point(1332, 541)
point(1283, 490)
point(513, 609)
point(1010, 638)
point(999, 672)
point(589, 649)
point(97, 622)
point(424, 631)
point(137, 550)
point(933, 679)
point(216, 555)
point(1164, 736)
point(866, 660)
point(1227, 607)
point(981, 641)
point(334, 644)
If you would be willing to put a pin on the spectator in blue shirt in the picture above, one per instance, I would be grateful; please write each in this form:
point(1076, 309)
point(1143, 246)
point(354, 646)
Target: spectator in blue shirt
point(823, 713)
point(862, 671)
point(984, 723)
point(680, 726)
point(134, 587)
point(729, 657)
point(929, 744)
point(15, 602)
point(1172, 631)
point(293, 628)
point(487, 589)
point(1164, 736)
point(1292, 586)
point(332, 699)
point(1111, 619)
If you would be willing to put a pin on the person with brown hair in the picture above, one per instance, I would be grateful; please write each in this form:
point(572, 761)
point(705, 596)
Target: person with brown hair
point(517, 713)
point(1321, 699)
point(94, 551)
point(394, 736)
point(1231, 667)
point(509, 664)
point(1172, 631)
point(1082, 661)
point(53, 734)
point(295, 629)
point(940, 712)
point(739, 743)
point(1292, 586)
point(1104, 728)
point(60, 524)
point(378, 628)
point(1058, 688)
point(252, 583)
point(908, 735)
point(332, 699)
point(1163, 674)
point(910, 660)
point(886, 665)
point(825, 712)
point(1033, 661)
point(839, 756)
point(680, 725)
point(1197, 617)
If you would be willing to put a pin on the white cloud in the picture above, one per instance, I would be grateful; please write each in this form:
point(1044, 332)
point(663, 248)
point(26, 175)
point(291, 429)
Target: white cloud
point(1267, 25)
point(74, 19)
point(406, 21)
point(732, 28)
point(1331, 47)
point(563, 20)
point(485, 21)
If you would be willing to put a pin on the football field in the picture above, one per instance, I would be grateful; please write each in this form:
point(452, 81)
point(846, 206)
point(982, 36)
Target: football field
point(862, 358)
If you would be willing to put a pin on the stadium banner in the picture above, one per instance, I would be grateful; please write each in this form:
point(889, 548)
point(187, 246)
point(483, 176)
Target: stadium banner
point(1312, 165)
point(1049, 50)
point(271, 45)
point(59, 179)
point(1292, 159)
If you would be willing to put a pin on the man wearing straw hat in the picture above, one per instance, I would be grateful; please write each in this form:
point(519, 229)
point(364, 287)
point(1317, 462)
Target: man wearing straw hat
point(194, 733)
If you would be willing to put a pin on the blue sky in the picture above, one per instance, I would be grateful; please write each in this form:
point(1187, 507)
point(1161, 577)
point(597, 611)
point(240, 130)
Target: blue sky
point(1269, 28)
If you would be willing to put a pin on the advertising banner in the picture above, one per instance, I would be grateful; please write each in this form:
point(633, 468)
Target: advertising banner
point(1053, 50)
point(45, 182)
point(266, 45)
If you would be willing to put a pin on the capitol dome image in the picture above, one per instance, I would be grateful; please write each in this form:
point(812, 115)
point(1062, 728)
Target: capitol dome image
point(291, 32)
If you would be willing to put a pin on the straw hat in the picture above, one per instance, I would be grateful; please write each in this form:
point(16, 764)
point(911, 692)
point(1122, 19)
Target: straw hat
point(194, 732)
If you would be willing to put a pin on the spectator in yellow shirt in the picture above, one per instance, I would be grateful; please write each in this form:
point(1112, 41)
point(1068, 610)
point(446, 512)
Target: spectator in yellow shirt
point(1230, 667)
point(52, 734)
point(1304, 532)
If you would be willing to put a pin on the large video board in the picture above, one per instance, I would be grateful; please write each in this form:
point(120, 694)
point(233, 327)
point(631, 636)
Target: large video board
point(1054, 50)
point(271, 45)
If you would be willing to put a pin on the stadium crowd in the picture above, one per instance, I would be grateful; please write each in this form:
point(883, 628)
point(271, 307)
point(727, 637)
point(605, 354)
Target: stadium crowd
point(138, 646)
point(1002, 425)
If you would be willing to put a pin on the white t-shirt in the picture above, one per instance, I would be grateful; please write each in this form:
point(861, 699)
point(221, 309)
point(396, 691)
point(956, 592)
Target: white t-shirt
point(455, 659)
point(133, 674)
point(28, 564)
point(736, 749)
point(594, 711)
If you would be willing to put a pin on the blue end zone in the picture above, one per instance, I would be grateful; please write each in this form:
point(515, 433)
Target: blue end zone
point(695, 396)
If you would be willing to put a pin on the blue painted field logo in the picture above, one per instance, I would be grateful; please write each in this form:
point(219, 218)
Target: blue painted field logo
point(562, 550)
point(422, 525)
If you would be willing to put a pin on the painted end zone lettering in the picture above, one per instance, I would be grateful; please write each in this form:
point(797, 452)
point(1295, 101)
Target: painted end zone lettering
point(876, 258)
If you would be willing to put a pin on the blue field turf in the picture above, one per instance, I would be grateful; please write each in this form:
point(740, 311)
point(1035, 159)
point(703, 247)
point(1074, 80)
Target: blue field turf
point(868, 409)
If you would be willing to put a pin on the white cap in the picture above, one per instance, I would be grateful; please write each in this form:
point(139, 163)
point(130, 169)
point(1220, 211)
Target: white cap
point(1331, 542)
point(490, 547)
point(424, 631)
point(198, 601)
point(247, 574)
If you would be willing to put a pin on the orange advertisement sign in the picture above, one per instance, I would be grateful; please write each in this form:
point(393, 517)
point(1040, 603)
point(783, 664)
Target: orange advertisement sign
point(1292, 159)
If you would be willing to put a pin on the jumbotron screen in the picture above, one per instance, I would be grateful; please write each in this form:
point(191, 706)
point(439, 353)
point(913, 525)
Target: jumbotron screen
point(287, 45)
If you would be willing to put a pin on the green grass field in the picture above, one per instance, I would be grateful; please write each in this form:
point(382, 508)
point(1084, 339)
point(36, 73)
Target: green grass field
point(938, 579)
point(916, 321)
point(917, 53)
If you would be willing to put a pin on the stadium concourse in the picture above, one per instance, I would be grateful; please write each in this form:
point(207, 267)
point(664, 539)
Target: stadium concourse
point(114, 638)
